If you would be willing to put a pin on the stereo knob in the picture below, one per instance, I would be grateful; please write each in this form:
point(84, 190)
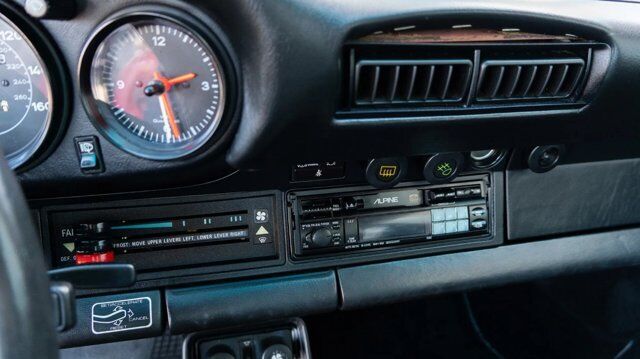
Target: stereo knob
point(321, 237)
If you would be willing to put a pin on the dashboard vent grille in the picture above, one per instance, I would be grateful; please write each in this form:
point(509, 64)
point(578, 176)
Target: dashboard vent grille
point(389, 82)
point(515, 80)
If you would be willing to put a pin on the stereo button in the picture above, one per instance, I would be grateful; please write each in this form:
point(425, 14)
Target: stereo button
point(463, 212)
point(450, 214)
point(351, 230)
point(451, 227)
point(478, 212)
point(438, 229)
point(437, 215)
point(479, 224)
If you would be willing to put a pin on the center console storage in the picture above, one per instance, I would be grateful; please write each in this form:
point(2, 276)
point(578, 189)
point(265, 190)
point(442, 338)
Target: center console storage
point(286, 340)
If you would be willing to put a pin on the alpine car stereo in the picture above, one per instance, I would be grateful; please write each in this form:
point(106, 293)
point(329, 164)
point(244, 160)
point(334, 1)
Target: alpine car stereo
point(353, 221)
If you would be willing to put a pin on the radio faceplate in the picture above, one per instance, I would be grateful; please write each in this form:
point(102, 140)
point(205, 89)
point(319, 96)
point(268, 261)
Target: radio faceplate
point(350, 221)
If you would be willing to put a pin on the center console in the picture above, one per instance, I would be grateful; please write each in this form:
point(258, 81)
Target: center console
point(195, 255)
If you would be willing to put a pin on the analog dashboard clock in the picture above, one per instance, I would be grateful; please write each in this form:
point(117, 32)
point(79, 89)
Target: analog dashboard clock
point(155, 85)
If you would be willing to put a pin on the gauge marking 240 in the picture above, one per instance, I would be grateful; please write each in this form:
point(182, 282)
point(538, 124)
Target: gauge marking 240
point(25, 96)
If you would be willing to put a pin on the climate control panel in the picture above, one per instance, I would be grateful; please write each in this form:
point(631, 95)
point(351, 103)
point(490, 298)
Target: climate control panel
point(158, 236)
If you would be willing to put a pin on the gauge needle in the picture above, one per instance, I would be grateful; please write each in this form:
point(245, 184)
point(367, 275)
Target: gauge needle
point(167, 110)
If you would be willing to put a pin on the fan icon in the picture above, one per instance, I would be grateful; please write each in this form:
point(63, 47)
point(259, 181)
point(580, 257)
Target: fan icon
point(261, 216)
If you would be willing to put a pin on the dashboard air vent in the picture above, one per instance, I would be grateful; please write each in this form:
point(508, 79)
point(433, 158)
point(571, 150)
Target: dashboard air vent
point(515, 80)
point(389, 82)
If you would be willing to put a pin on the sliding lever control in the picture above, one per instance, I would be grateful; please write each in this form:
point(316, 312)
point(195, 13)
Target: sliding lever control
point(92, 244)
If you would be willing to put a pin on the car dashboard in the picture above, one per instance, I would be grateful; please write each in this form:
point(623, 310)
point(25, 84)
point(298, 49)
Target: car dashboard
point(219, 164)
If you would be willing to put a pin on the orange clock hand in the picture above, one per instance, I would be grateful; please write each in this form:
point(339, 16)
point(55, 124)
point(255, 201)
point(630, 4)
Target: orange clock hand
point(172, 117)
point(164, 102)
point(182, 78)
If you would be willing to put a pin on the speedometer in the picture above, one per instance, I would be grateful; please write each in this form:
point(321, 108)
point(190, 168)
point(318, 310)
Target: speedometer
point(25, 95)
point(155, 87)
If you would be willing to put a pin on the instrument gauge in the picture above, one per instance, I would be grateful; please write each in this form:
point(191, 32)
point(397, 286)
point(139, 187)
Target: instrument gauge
point(25, 96)
point(155, 87)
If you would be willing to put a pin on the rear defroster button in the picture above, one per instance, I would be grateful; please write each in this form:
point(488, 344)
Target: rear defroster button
point(386, 172)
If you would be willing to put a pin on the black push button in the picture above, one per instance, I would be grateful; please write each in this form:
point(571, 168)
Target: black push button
point(89, 155)
point(386, 172)
point(443, 167)
point(351, 230)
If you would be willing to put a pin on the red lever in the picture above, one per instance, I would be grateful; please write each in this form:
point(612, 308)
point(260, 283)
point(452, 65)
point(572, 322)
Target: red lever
point(92, 258)
point(91, 251)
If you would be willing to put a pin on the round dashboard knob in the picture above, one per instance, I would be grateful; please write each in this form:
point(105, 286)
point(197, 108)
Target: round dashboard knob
point(386, 172)
point(321, 237)
point(443, 167)
point(486, 159)
point(277, 351)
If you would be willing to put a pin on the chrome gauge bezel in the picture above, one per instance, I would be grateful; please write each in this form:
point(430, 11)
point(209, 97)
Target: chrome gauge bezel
point(56, 72)
point(205, 34)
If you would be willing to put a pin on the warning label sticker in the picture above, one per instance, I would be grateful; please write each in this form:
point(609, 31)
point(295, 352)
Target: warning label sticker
point(121, 315)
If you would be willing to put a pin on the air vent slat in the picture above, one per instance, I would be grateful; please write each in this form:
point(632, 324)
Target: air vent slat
point(394, 83)
point(376, 81)
point(560, 78)
point(447, 82)
point(415, 82)
point(529, 83)
point(539, 79)
point(498, 81)
point(546, 75)
point(411, 82)
point(431, 71)
point(512, 87)
point(573, 76)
